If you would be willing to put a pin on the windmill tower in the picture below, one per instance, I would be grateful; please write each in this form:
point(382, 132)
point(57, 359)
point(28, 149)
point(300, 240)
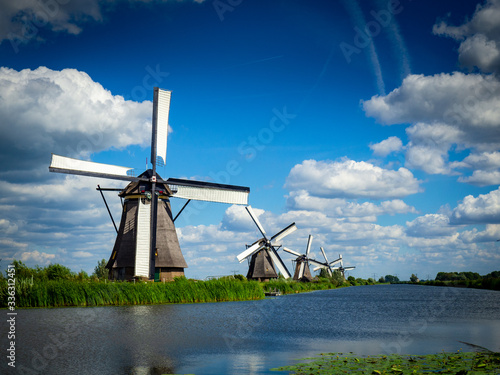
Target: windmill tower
point(302, 271)
point(264, 253)
point(146, 245)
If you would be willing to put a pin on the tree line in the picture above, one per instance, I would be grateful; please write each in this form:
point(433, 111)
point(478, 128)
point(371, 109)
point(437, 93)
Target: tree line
point(58, 272)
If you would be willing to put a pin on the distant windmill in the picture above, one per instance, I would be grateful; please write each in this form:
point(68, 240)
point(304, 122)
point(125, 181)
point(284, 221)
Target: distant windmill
point(264, 253)
point(330, 266)
point(146, 244)
point(302, 271)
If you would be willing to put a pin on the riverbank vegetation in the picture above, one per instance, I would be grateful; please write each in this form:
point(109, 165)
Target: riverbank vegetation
point(443, 363)
point(456, 279)
point(57, 293)
point(56, 286)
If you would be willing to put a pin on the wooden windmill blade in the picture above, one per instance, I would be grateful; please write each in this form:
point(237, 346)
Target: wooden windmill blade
point(63, 164)
point(279, 263)
point(208, 191)
point(161, 110)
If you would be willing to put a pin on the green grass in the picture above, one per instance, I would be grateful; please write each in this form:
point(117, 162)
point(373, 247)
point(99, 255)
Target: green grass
point(289, 286)
point(56, 293)
point(459, 363)
point(92, 292)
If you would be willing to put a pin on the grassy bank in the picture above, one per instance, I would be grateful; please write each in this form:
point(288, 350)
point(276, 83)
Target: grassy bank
point(485, 283)
point(290, 286)
point(459, 363)
point(88, 292)
point(56, 293)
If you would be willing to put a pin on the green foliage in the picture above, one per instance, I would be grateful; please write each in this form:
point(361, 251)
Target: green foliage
point(494, 274)
point(240, 277)
point(413, 278)
point(82, 275)
point(64, 292)
point(58, 272)
point(457, 276)
point(24, 272)
point(449, 363)
point(323, 273)
point(391, 279)
point(382, 279)
point(336, 278)
point(100, 271)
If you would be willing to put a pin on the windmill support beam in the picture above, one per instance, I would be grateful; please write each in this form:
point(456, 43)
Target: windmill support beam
point(107, 207)
point(182, 209)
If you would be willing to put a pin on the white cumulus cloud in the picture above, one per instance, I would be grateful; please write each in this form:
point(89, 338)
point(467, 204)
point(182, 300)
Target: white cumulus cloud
point(353, 211)
point(484, 209)
point(64, 112)
point(351, 179)
point(479, 37)
point(384, 148)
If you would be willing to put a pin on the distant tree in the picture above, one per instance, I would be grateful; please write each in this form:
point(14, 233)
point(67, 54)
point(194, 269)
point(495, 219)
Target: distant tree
point(25, 272)
point(414, 278)
point(100, 271)
point(338, 277)
point(371, 281)
point(324, 273)
point(351, 279)
point(58, 272)
point(240, 277)
point(471, 275)
point(382, 279)
point(493, 274)
point(82, 275)
point(391, 279)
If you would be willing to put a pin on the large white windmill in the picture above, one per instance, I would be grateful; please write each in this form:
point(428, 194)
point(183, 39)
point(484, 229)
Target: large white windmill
point(331, 266)
point(302, 271)
point(264, 253)
point(146, 245)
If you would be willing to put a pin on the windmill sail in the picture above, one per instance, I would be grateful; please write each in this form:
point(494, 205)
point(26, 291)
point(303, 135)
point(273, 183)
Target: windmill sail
point(142, 254)
point(161, 109)
point(207, 191)
point(62, 164)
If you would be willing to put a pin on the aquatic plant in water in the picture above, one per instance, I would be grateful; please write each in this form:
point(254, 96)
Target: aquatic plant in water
point(459, 363)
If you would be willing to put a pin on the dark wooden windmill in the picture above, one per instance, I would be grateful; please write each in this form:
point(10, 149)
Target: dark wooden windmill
point(302, 271)
point(146, 245)
point(264, 255)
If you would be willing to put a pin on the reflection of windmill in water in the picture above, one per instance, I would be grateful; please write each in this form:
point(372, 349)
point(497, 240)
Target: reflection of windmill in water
point(302, 271)
point(331, 266)
point(146, 245)
point(264, 255)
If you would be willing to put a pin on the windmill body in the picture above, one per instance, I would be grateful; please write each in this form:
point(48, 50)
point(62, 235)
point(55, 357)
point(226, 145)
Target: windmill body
point(302, 271)
point(146, 245)
point(264, 255)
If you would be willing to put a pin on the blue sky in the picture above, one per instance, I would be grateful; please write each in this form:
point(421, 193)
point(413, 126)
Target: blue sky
point(373, 125)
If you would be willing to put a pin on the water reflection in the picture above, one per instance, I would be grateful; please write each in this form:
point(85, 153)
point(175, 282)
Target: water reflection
point(252, 337)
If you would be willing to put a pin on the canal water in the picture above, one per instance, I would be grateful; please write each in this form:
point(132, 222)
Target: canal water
point(253, 337)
